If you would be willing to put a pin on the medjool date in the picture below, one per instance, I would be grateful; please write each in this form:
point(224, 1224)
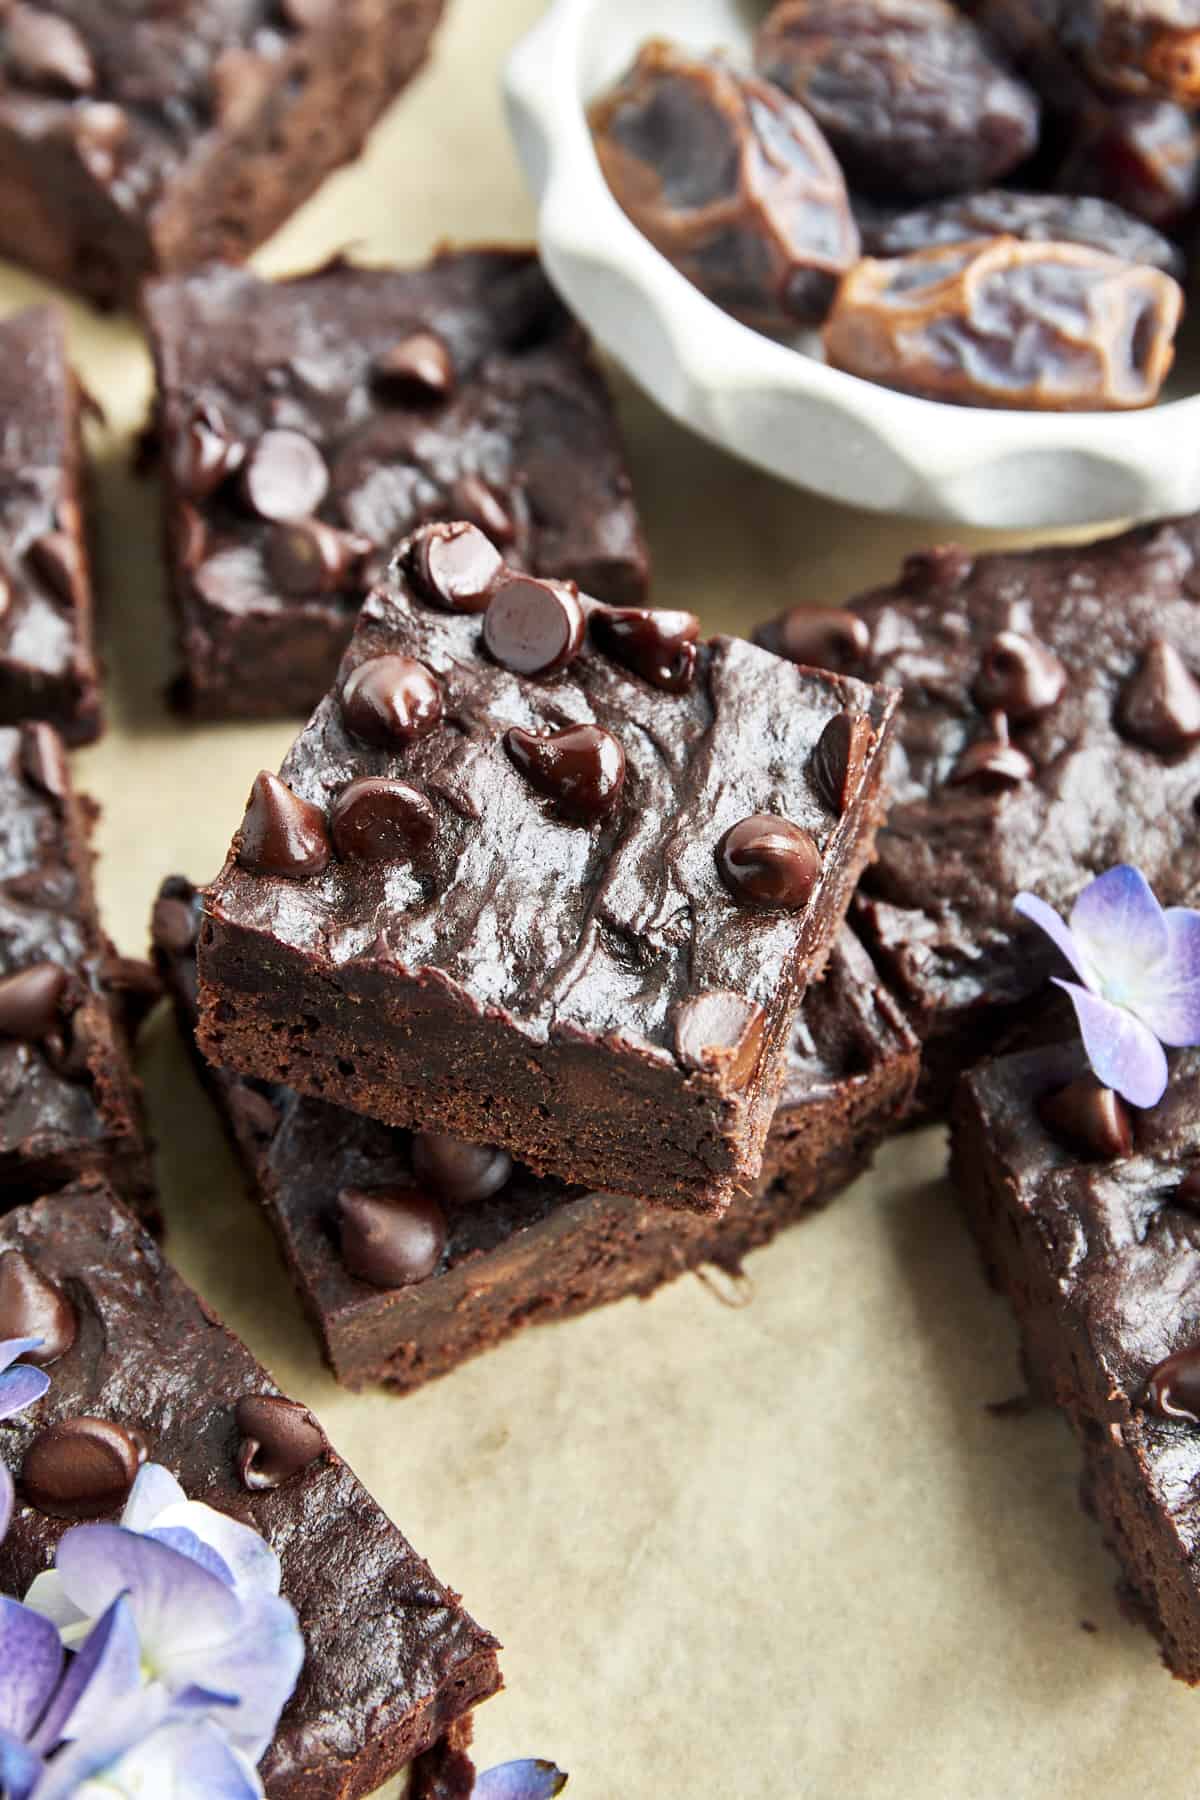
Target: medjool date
point(1034, 218)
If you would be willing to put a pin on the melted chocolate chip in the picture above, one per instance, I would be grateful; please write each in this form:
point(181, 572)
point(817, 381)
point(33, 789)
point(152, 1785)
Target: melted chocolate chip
point(471, 498)
point(1173, 1389)
point(1089, 1118)
point(44, 760)
point(30, 1002)
point(456, 566)
point(992, 763)
point(81, 1468)
point(1020, 677)
point(391, 700)
point(765, 860)
point(838, 641)
point(840, 758)
point(462, 1172)
point(6, 594)
point(533, 627)
point(582, 768)
point(722, 1033)
point(375, 820)
point(59, 561)
point(1160, 706)
point(173, 925)
point(310, 557)
point(658, 646)
point(282, 834)
point(418, 368)
point(285, 477)
point(44, 51)
point(280, 1439)
point(191, 537)
point(33, 1307)
point(391, 1239)
point(208, 454)
point(100, 131)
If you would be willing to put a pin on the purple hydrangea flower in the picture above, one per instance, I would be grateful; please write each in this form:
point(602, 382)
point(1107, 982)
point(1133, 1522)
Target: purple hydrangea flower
point(529, 1780)
point(1139, 978)
point(20, 1383)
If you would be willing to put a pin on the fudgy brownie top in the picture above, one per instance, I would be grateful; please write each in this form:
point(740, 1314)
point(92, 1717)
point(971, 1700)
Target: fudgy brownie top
point(1050, 728)
point(577, 818)
point(311, 423)
point(381, 1634)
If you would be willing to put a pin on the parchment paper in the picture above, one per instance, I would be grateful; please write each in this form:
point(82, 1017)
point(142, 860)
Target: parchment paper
point(769, 1552)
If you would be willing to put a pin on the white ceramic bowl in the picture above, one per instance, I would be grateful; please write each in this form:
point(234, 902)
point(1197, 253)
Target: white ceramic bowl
point(778, 406)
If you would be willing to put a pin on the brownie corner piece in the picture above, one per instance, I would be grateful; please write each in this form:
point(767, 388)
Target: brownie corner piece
point(135, 140)
point(48, 665)
point(1088, 1220)
point(549, 875)
point(392, 1659)
point(308, 425)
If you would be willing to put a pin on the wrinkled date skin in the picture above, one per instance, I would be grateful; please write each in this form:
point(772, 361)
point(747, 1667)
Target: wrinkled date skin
point(1034, 218)
point(1142, 154)
point(1055, 327)
point(732, 181)
point(908, 92)
point(1142, 46)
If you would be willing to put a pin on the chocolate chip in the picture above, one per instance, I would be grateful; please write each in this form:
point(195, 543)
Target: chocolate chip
point(33, 1307)
point(45, 51)
point(472, 498)
point(307, 15)
point(285, 477)
point(582, 768)
point(101, 131)
point(722, 1034)
point(173, 925)
point(280, 1439)
point(59, 561)
point(456, 566)
point(191, 537)
point(1160, 706)
point(391, 700)
point(375, 820)
point(417, 368)
point(310, 557)
point(943, 566)
point(253, 1114)
point(44, 760)
point(391, 1239)
point(208, 454)
point(30, 1002)
point(1020, 677)
point(658, 646)
point(765, 860)
point(282, 834)
point(81, 1468)
point(462, 1172)
point(533, 627)
point(1089, 1118)
point(1173, 1389)
point(838, 641)
point(992, 763)
point(840, 758)
point(6, 594)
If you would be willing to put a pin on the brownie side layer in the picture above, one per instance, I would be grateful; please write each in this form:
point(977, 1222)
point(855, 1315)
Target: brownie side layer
point(526, 988)
point(526, 414)
point(391, 1659)
point(69, 1102)
point(536, 1250)
point(171, 137)
point(48, 666)
point(1101, 1264)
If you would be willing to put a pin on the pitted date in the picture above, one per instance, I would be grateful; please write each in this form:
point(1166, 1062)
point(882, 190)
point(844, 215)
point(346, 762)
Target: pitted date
point(1054, 327)
point(1144, 155)
point(908, 92)
point(732, 181)
point(1034, 218)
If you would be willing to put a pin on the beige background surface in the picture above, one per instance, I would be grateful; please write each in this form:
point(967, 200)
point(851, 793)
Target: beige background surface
point(774, 1551)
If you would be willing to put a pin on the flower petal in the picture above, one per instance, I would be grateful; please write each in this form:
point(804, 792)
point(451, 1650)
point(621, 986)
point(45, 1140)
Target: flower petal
point(106, 1670)
point(1057, 930)
point(12, 1348)
point(1170, 1004)
point(520, 1781)
point(19, 1768)
point(256, 1665)
point(20, 1387)
point(1121, 930)
point(47, 1596)
point(182, 1762)
point(66, 1778)
point(178, 1607)
point(31, 1660)
point(1124, 1053)
point(153, 1491)
point(186, 1543)
point(249, 1558)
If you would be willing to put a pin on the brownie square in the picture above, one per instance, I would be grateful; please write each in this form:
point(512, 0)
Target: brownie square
point(48, 666)
point(572, 910)
point(1050, 728)
point(142, 138)
point(391, 1658)
point(530, 1249)
point(69, 1103)
point(460, 388)
point(1099, 1254)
